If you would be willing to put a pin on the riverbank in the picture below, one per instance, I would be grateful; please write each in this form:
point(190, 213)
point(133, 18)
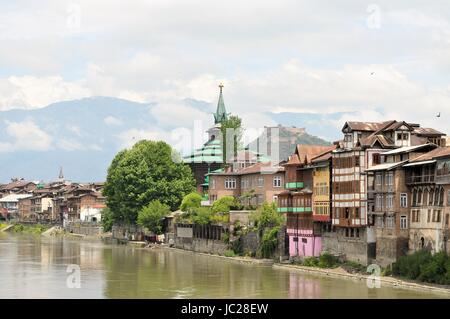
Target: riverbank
point(247, 260)
point(337, 272)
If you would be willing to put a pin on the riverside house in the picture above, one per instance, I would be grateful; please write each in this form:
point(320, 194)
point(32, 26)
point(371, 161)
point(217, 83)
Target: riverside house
point(428, 179)
point(253, 185)
point(352, 235)
point(305, 171)
point(390, 212)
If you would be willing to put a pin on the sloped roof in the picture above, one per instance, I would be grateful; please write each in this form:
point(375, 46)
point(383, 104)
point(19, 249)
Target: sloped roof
point(407, 149)
point(438, 152)
point(373, 138)
point(14, 197)
point(307, 152)
point(427, 131)
point(16, 184)
point(366, 126)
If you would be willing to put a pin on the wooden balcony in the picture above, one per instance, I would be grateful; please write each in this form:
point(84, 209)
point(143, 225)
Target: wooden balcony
point(420, 179)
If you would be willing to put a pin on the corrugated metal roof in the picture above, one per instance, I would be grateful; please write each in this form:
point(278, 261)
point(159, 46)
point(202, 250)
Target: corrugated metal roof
point(420, 163)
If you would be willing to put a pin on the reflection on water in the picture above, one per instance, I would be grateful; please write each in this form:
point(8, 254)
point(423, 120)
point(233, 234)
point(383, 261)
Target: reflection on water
point(35, 267)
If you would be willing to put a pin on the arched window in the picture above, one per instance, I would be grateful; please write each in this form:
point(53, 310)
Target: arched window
point(419, 198)
point(426, 196)
point(436, 197)
point(431, 197)
point(414, 198)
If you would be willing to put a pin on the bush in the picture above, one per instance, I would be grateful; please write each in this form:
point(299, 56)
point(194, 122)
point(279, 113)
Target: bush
point(326, 260)
point(107, 220)
point(229, 253)
point(202, 216)
point(224, 204)
point(152, 216)
point(190, 201)
point(310, 262)
point(424, 266)
point(269, 242)
point(267, 216)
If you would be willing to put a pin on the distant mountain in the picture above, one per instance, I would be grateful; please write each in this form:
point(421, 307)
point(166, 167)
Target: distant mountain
point(324, 125)
point(286, 138)
point(84, 135)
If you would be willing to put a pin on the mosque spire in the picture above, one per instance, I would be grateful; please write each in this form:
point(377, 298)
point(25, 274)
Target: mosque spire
point(221, 112)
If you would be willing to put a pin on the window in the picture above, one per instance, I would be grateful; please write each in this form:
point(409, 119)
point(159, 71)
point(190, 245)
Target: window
point(357, 212)
point(336, 212)
point(389, 201)
point(277, 181)
point(347, 212)
point(447, 219)
point(448, 198)
point(376, 159)
point(390, 179)
point(260, 181)
point(403, 222)
point(390, 221)
point(379, 202)
point(356, 160)
point(429, 216)
point(403, 200)
point(230, 183)
point(379, 221)
point(436, 216)
point(378, 179)
point(415, 216)
point(213, 183)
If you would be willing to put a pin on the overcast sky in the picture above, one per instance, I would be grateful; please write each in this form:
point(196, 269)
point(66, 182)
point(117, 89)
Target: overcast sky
point(382, 60)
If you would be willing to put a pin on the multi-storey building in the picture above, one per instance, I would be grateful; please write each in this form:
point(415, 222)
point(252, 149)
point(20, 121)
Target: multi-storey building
point(253, 185)
point(390, 213)
point(301, 178)
point(427, 177)
point(363, 142)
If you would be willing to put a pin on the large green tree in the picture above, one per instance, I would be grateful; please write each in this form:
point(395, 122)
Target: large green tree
point(232, 124)
point(144, 173)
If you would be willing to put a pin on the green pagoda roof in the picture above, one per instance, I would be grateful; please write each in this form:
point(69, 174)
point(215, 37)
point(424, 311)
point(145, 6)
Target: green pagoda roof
point(221, 112)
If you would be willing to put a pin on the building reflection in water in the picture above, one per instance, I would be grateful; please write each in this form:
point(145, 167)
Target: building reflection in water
point(301, 287)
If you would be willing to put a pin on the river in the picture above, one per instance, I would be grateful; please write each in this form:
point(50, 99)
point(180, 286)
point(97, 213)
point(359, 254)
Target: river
point(37, 267)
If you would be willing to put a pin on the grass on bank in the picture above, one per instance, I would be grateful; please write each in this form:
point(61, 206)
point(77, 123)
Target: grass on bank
point(326, 260)
point(29, 229)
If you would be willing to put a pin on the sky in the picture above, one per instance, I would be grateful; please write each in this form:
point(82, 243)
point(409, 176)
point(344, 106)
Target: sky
point(370, 61)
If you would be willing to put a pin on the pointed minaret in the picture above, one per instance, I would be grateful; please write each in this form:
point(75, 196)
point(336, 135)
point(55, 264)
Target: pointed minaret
point(61, 174)
point(221, 112)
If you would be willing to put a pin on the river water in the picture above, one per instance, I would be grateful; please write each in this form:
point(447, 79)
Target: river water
point(36, 267)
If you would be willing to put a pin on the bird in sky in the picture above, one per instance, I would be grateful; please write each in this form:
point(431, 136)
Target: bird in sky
point(439, 114)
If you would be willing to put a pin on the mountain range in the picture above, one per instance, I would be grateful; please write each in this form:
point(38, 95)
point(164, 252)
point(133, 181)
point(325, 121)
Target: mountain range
point(82, 136)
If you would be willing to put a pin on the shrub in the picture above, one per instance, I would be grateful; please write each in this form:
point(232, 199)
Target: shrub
point(267, 216)
point(409, 266)
point(310, 262)
point(229, 253)
point(152, 216)
point(269, 242)
point(190, 201)
point(224, 204)
point(202, 216)
point(326, 260)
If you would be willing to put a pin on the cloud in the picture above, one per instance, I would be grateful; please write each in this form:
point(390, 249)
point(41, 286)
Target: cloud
point(111, 120)
point(26, 135)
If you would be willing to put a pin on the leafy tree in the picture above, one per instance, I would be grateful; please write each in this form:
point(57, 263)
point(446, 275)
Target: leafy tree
point(224, 204)
point(202, 216)
point(144, 173)
point(107, 219)
point(190, 201)
point(267, 216)
point(233, 122)
point(152, 216)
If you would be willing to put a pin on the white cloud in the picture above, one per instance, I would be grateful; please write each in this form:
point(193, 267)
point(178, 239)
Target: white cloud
point(26, 135)
point(111, 120)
